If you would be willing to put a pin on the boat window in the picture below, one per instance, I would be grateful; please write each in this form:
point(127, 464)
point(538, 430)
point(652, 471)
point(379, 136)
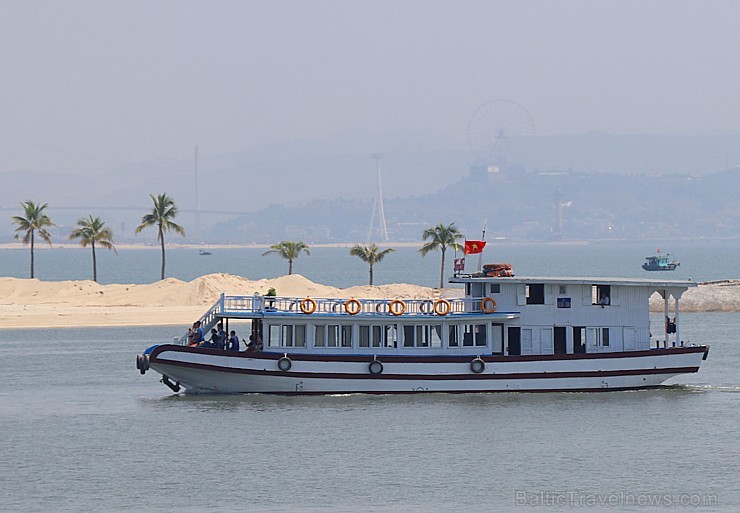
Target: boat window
point(601, 295)
point(273, 338)
point(425, 335)
point(452, 335)
point(497, 338)
point(391, 335)
point(473, 335)
point(300, 336)
point(287, 335)
point(598, 337)
point(364, 336)
point(347, 335)
point(535, 294)
point(332, 332)
point(319, 339)
point(562, 289)
point(408, 336)
point(378, 339)
point(495, 288)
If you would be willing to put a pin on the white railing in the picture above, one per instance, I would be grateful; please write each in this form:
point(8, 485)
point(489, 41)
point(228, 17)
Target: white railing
point(247, 305)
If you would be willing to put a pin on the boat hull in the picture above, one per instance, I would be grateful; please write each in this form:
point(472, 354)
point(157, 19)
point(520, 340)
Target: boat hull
point(216, 371)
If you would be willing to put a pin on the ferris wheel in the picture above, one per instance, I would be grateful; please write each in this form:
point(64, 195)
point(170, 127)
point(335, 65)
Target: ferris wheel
point(496, 131)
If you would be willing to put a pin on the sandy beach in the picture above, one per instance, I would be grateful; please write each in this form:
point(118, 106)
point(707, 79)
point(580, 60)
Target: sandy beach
point(26, 303)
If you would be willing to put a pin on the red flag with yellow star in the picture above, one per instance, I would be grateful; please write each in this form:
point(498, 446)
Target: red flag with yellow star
point(473, 247)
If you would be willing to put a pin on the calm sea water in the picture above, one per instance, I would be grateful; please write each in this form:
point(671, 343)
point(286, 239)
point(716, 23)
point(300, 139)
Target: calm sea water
point(701, 260)
point(81, 430)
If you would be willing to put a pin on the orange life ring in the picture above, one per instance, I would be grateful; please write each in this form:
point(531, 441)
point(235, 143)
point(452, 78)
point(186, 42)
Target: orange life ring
point(352, 306)
point(442, 307)
point(308, 305)
point(397, 307)
point(484, 305)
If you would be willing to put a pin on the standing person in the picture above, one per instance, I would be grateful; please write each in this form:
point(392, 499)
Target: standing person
point(233, 341)
point(221, 342)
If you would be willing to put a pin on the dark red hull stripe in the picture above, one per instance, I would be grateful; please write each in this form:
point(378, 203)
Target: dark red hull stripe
point(433, 377)
point(424, 359)
point(514, 391)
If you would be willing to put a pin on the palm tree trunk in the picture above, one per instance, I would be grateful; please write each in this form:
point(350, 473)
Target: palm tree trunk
point(95, 264)
point(290, 266)
point(371, 274)
point(31, 254)
point(442, 271)
point(161, 240)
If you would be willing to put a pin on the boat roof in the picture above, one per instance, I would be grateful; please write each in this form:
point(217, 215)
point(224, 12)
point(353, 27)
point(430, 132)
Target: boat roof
point(575, 280)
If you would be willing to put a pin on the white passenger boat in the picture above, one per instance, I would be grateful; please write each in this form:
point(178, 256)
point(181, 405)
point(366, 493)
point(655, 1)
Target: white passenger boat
point(506, 334)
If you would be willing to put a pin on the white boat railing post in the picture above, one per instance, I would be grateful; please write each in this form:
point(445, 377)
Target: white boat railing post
point(675, 322)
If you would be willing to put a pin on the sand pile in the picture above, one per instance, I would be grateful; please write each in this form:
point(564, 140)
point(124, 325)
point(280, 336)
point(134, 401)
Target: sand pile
point(35, 303)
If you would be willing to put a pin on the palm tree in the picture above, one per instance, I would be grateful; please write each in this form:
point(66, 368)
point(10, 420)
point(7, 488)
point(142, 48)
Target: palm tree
point(35, 221)
point(288, 250)
point(92, 230)
point(162, 216)
point(440, 237)
point(372, 255)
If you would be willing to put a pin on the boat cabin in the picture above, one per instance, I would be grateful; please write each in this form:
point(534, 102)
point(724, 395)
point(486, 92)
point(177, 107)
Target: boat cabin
point(497, 316)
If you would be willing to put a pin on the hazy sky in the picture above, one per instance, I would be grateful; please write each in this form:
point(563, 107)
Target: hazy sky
point(89, 85)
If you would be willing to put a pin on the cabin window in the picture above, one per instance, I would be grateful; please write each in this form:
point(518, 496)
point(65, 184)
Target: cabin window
point(391, 335)
point(319, 339)
point(364, 336)
point(495, 288)
point(497, 338)
point(453, 336)
point(273, 337)
point(299, 335)
point(408, 336)
point(332, 335)
point(424, 335)
point(372, 336)
point(562, 289)
point(346, 335)
point(287, 335)
point(599, 337)
point(473, 335)
point(535, 294)
point(601, 295)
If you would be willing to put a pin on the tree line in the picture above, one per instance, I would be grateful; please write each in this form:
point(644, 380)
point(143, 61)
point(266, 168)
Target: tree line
point(91, 231)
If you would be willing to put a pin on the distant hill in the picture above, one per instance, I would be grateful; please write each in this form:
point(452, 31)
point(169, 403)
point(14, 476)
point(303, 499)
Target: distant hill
point(322, 190)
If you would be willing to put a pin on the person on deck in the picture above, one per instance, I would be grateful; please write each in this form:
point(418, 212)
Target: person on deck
point(233, 341)
point(195, 334)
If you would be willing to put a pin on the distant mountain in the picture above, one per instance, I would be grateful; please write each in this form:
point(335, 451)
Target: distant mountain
point(614, 183)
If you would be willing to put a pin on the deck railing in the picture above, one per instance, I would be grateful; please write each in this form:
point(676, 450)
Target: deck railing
point(236, 306)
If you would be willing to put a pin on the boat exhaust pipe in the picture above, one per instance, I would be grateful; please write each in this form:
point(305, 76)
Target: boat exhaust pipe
point(142, 363)
point(175, 387)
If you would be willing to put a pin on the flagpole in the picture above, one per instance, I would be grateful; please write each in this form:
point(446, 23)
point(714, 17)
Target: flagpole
point(480, 255)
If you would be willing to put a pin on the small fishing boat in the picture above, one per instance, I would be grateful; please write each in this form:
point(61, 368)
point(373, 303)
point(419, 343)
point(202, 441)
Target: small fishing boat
point(203, 252)
point(507, 333)
point(660, 263)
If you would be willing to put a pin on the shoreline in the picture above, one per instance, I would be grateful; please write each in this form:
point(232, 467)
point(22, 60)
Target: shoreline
point(32, 303)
